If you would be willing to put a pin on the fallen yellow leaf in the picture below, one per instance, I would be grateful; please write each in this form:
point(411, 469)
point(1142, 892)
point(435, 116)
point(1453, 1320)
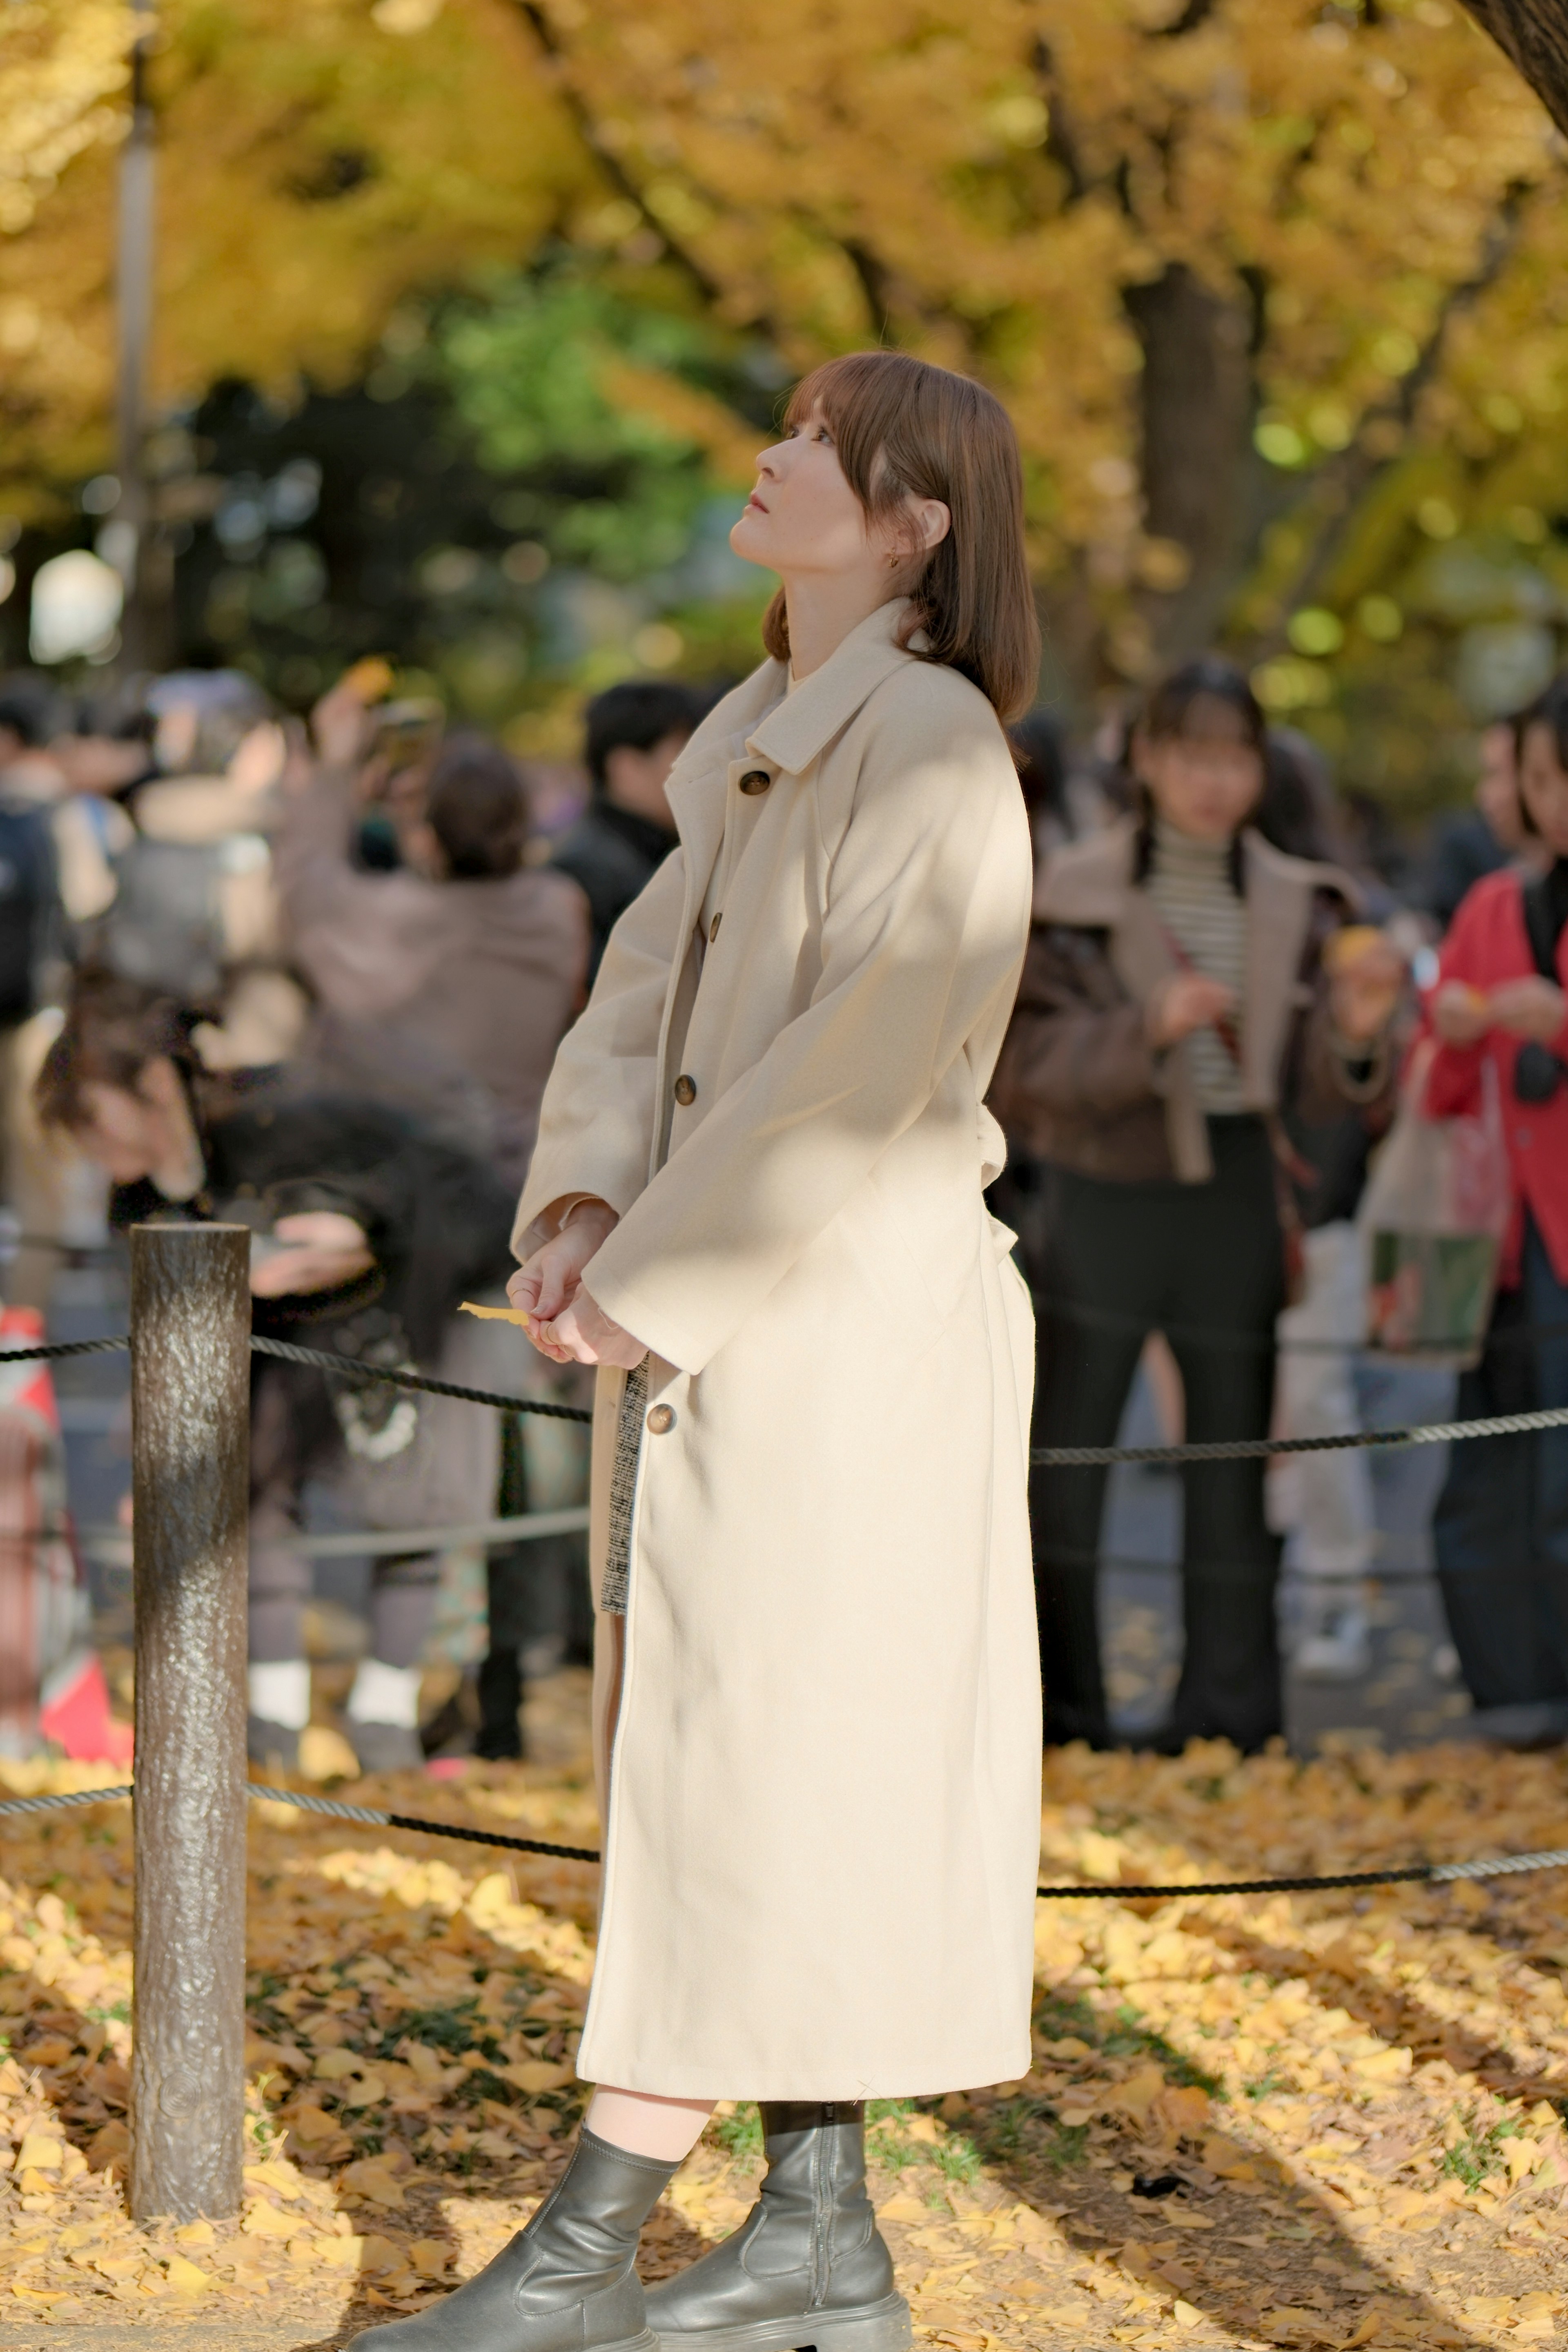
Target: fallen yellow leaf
point(495, 1314)
point(276, 2173)
point(38, 2153)
point(370, 2177)
point(267, 2221)
point(536, 2074)
point(312, 2124)
point(336, 2065)
point(366, 2091)
point(187, 2278)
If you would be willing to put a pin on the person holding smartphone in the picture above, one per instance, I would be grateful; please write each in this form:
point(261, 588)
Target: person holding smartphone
point(1500, 1532)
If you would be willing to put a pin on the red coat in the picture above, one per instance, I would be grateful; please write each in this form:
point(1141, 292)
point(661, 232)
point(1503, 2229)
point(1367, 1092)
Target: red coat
point(1488, 945)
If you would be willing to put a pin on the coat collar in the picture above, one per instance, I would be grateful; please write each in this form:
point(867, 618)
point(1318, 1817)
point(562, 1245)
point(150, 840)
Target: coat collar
point(801, 724)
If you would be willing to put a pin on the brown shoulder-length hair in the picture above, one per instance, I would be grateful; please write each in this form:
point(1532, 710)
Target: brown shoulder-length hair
point(905, 429)
point(113, 1028)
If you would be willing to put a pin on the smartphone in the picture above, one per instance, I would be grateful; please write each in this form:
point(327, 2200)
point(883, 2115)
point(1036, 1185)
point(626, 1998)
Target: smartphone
point(408, 732)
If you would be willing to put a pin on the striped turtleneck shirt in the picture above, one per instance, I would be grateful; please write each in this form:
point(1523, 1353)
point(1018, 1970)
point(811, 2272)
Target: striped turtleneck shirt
point(1190, 882)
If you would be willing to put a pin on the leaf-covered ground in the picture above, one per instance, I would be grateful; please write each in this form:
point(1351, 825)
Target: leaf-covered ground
point(1301, 2121)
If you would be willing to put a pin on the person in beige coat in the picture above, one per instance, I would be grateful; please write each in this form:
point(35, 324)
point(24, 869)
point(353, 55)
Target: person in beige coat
point(756, 1205)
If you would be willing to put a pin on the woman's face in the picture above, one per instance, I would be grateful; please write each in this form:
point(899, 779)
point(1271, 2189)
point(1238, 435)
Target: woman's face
point(1544, 788)
point(1206, 781)
point(121, 1131)
point(803, 517)
point(145, 1132)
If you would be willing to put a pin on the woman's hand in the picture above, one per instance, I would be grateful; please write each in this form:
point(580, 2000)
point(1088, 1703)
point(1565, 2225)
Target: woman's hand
point(1364, 987)
point(1534, 1008)
point(548, 1284)
point(1461, 1015)
point(325, 1250)
point(1186, 1001)
point(583, 1334)
point(564, 1323)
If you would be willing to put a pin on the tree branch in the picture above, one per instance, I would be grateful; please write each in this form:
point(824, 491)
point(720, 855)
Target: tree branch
point(604, 155)
point(1533, 37)
point(1341, 486)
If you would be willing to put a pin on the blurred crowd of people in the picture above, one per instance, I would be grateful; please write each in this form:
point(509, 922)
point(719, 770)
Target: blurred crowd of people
point(1224, 1012)
point(313, 980)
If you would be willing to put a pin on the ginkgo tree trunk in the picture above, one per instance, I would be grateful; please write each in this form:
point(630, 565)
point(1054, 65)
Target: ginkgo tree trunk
point(1534, 35)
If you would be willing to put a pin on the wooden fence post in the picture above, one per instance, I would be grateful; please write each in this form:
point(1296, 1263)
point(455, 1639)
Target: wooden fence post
point(189, 1328)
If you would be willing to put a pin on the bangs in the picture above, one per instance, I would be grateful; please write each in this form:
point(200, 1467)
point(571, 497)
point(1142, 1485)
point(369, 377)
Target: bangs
point(870, 401)
point(904, 429)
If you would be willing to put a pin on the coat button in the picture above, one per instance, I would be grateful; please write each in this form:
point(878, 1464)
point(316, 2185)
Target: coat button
point(755, 781)
point(685, 1091)
point(662, 1418)
point(713, 929)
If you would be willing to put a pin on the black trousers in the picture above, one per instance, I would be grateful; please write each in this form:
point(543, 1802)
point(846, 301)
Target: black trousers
point(1500, 1532)
point(1204, 1264)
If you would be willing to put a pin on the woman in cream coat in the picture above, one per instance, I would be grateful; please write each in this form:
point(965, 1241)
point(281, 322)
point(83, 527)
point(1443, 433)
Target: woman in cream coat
point(756, 1205)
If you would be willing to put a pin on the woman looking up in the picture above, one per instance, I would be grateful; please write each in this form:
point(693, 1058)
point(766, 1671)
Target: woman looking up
point(756, 1205)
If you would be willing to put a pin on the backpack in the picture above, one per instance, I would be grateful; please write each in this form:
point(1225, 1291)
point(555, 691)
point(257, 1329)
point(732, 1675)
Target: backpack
point(29, 907)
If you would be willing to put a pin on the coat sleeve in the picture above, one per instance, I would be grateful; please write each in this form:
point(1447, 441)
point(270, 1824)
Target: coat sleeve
point(596, 1120)
point(924, 929)
point(315, 878)
point(1071, 1047)
point(1454, 1074)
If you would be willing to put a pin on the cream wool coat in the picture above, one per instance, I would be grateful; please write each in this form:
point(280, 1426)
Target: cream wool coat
point(822, 1831)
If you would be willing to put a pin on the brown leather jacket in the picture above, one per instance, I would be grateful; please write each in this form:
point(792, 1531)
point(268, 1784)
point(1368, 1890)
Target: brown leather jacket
point(1078, 1081)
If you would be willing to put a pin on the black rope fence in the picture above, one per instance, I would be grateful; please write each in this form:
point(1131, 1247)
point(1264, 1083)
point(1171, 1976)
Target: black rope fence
point(326, 1361)
point(1054, 1457)
point(1253, 1449)
point(1417, 1873)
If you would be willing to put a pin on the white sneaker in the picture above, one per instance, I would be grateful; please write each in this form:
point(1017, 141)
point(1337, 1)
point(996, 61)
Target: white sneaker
point(1339, 1649)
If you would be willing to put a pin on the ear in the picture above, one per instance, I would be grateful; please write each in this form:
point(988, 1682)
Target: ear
point(930, 522)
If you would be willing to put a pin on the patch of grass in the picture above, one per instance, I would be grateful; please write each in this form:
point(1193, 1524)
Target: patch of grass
point(1059, 2015)
point(885, 2144)
point(1131, 2038)
point(482, 2085)
point(456, 2028)
point(957, 2159)
point(740, 2134)
point(1264, 2086)
point(1062, 2145)
point(1474, 2155)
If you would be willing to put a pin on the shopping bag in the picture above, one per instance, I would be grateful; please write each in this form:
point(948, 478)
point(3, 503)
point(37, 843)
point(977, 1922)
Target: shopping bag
point(1434, 1215)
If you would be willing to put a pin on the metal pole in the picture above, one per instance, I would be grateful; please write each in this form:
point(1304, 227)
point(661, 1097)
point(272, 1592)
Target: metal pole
point(190, 1397)
point(125, 542)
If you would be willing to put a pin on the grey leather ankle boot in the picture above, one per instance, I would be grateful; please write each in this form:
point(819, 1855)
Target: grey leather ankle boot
point(807, 2266)
point(566, 2283)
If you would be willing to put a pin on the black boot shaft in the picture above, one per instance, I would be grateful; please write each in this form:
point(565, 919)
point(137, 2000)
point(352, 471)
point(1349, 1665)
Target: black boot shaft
point(807, 2257)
